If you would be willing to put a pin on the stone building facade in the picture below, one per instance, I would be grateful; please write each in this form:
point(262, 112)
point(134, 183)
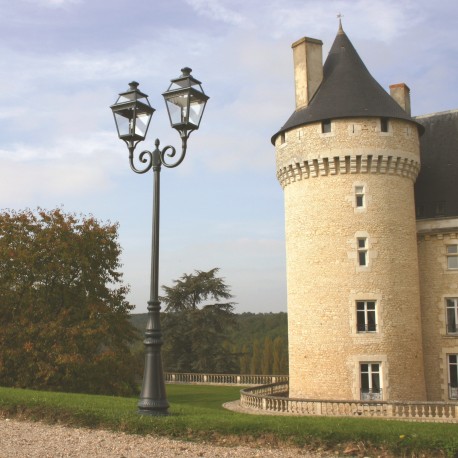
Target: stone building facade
point(372, 258)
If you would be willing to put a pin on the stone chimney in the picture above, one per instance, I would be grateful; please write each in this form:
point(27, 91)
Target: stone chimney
point(401, 93)
point(308, 69)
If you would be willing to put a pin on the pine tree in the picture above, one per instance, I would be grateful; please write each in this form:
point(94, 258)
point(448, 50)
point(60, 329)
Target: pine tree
point(195, 331)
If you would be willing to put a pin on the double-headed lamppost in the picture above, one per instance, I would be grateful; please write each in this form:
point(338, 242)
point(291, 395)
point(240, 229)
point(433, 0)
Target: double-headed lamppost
point(185, 101)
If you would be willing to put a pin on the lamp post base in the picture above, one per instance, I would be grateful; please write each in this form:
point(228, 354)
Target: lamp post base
point(153, 408)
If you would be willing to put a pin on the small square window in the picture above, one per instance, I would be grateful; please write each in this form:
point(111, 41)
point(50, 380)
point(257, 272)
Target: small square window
point(282, 138)
point(359, 196)
point(362, 251)
point(452, 256)
point(384, 125)
point(326, 126)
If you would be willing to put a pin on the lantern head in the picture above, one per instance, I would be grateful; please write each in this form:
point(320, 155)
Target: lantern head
point(185, 100)
point(132, 113)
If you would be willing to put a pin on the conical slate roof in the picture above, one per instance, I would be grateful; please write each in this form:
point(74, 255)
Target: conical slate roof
point(347, 90)
point(436, 193)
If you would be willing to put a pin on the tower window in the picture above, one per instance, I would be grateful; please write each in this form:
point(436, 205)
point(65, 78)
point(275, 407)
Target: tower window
point(453, 376)
point(383, 124)
point(371, 389)
point(366, 316)
point(452, 256)
point(282, 138)
point(362, 251)
point(359, 196)
point(326, 126)
point(452, 315)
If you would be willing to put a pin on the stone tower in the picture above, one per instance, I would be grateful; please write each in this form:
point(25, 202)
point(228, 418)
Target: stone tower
point(347, 160)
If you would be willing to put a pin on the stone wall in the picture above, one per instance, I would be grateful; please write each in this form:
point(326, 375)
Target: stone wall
point(320, 173)
point(437, 283)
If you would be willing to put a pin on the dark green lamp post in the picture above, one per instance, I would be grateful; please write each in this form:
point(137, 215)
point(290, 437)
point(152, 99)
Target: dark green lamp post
point(185, 101)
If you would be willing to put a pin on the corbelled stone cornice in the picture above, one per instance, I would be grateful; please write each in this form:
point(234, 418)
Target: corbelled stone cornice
point(404, 166)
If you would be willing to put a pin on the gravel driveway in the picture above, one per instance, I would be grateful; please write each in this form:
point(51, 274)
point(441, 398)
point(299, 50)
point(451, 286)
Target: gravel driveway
point(23, 439)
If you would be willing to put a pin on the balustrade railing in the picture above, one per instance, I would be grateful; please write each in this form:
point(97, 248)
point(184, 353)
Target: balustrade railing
point(224, 379)
point(274, 398)
point(270, 393)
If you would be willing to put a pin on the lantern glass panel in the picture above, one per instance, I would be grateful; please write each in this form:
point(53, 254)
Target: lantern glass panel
point(185, 109)
point(177, 110)
point(196, 109)
point(127, 97)
point(123, 123)
point(141, 126)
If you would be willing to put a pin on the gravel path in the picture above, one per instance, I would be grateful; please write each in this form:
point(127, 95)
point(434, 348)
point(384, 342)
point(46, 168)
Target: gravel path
point(23, 439)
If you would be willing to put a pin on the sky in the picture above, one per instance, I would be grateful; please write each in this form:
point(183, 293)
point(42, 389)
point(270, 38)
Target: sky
point(63, 63)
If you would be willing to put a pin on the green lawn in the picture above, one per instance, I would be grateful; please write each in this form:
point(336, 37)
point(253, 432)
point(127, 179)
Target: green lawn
point(197, 414)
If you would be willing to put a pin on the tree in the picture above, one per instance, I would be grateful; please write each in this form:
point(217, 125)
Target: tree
point(64, 319)
point(244, 359)
point(196, 324)
point(267, 356)
point(280, 357)
point(256, 358)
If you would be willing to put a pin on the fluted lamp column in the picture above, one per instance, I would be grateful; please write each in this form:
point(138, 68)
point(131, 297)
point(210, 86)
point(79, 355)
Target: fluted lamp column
point(185, 102)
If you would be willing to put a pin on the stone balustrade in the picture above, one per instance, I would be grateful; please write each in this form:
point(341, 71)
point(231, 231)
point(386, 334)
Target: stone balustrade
point(269, 393)
point(224, 379)
point(274, 398)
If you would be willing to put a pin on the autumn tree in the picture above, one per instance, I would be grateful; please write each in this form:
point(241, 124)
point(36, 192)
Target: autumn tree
point(63, 313)
point(198, 316)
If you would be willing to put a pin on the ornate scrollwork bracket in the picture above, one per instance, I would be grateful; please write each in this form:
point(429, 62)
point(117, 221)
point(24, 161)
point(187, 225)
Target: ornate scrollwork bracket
point(157, 158)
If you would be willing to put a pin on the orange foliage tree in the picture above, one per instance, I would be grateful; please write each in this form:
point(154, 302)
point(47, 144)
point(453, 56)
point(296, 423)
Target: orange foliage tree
point(64, 319)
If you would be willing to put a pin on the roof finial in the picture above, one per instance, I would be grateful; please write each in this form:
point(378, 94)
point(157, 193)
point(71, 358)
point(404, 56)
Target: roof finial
point(340, 16)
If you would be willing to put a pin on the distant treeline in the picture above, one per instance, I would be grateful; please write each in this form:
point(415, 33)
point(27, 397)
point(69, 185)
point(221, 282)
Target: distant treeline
point(258, 343)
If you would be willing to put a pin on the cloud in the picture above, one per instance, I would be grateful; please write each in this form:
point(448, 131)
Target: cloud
point(68, 168)
point(53, 3)
point(66, 61)
point(387, 18)
point(217, 11)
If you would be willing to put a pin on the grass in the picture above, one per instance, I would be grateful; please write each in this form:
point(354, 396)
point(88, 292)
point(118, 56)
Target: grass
point(197, 414)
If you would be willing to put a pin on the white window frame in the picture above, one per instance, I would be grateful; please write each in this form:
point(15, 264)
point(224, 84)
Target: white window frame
point(452, 363)
point(366, 309)
point(451, 315)
point(362, 250)
point(371, 392)
point(452, 256)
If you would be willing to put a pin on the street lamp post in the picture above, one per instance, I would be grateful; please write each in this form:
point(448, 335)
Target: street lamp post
point(185, 101)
